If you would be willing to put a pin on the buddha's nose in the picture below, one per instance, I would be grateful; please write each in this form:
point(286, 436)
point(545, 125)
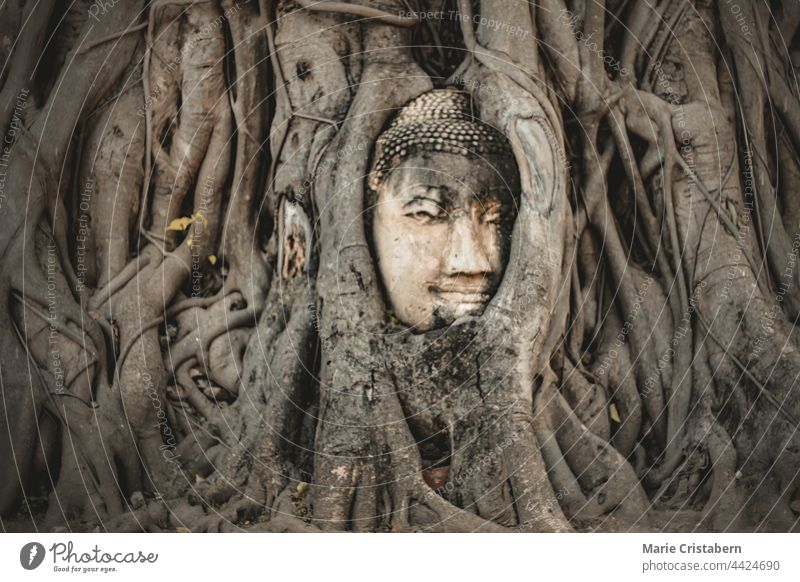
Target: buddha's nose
point(465, 254)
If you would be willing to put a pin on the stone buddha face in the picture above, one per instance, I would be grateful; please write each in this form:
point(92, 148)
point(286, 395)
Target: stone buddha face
point(441, 231)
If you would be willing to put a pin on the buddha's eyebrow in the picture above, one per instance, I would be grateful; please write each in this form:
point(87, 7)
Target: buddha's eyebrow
point(494, 193)
point(424, 194)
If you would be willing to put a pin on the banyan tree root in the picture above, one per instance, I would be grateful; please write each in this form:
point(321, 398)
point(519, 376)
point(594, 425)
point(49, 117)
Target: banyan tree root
point(223, 357)
point(41, 146)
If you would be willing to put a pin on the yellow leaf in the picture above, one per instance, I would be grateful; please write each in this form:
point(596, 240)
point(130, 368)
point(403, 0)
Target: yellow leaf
point(212, 259)
point(185, 222)
point(613, 412)
point(180, 224)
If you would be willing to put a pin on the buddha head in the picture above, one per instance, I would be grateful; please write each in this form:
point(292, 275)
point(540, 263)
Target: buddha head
point(443, 194)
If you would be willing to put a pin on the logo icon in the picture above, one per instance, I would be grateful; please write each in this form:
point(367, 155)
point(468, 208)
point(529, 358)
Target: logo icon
point(31, 555)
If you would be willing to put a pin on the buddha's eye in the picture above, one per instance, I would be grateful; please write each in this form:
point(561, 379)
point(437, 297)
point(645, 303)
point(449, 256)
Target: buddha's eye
point(424, 216)
point(492, 214)
point(425, 211)
point(492, 217)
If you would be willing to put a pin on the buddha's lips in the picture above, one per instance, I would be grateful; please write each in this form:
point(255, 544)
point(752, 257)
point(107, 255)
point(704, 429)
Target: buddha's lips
point(462, 295)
